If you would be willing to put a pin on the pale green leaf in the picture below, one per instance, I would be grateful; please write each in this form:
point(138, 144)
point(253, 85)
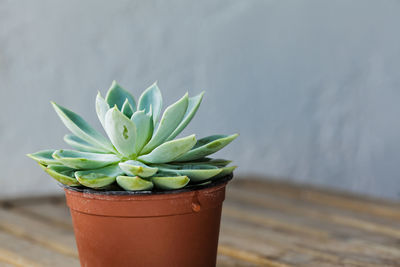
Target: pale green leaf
point(170, 150)
point(133, 167)
point(225, 171)
point(195, 172)
point(116, 95)
point(121, 131)
point(100, 177)
point(62, 174)
point(144, 129)
point(205, 183)
point(44, 157)
point(169, 183)
point(127, 109)
point(78, 126)
point(193, 106)
point(170, 120)
point(42, 166)
point(151, 99)
point(84, 160)
point(81, 145)
point(207, 161)
point(61, 168)
point(207, 146)
point(101, 108)
point(136, 183)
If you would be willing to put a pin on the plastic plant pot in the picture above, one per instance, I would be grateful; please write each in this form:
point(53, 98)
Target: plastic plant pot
point(148, 228)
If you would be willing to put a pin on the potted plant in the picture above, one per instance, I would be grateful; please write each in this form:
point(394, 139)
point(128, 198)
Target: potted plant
point(141, 197)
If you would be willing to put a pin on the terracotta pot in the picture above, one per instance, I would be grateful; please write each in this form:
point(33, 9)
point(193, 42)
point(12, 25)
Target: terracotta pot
point(119, 228)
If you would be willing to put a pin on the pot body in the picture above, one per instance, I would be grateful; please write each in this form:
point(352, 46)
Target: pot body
point(177, 229)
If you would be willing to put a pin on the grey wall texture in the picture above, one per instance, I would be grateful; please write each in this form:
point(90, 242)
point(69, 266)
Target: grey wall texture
point(312, 86)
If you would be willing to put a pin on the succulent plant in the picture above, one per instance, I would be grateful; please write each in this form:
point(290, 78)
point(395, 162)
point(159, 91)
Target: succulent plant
point(141, 152)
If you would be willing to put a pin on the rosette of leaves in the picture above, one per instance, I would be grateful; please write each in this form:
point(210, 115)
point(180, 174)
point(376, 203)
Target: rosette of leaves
point(141, 151)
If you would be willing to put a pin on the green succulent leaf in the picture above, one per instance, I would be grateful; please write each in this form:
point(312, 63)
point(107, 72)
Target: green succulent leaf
point(78, 126)
point(170, 120)
point(81, 145)
point(116, 95)
point(208, 161)
point(144, 129)
point(207, 146)
point(140, 152)
point(101, 108)
point(61, 168)
point(193, 106)
point(100, 177)
point(133, 168)
point(44, 157)
point(170, 150)
point(151, 99)
point(205, 183)
point(62, 174)
point(136, 183)
point(219, 162)
point(170, 182)
point(121, 131)
point(196, 172)
point(225, 171)
point(84, 160)
point(42, 166)
point(127, 109)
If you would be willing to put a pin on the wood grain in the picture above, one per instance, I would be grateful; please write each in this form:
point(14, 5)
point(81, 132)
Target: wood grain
point(264, 223)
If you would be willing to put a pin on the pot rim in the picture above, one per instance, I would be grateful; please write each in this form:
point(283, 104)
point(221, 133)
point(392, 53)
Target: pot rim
point(153, 192)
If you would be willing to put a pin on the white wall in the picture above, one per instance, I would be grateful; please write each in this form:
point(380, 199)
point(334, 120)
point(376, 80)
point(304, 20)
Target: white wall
point(312, 86)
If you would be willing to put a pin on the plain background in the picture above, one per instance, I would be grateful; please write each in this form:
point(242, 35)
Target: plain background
point(312, 86)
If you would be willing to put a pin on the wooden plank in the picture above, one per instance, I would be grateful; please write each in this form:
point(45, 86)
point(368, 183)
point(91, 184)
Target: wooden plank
point(387, 252)
point(275, 198)
point(227, 261)
point(326, 197)
point(320, 248)
point(14, 259)
point(271, 244)
point(55, 214)
point(267, 243)
point(249, 256)
point(45, 234)
point(51, 213)
point(6, 264)
point(263, 224)
point(293, 188)
point(255, 238)
point(297, 250)
point(20, 252)
point(319, 222)
point(289, 254)
point(54, 199)
point(316, 219)
point(317, 212)
point(270, 222)
point(237, 239)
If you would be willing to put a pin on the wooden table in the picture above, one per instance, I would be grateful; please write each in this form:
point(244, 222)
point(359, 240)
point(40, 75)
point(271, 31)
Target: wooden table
point(265, 223)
